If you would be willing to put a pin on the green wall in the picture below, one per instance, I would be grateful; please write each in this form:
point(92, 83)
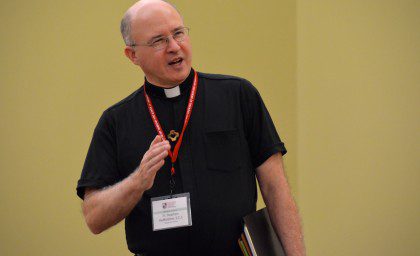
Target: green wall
point(340, 79)
point(358, 126)
point(62, 64)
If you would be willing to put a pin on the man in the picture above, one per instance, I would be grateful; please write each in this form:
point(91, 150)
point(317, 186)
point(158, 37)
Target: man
point(214, 136)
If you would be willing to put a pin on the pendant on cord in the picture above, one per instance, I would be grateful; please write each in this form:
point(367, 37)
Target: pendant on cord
point(173, 135)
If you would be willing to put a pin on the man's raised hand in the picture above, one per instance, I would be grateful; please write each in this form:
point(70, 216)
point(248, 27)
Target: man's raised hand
point(152, 161)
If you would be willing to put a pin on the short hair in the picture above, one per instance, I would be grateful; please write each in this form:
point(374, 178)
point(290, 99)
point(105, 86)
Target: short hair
point(125, 29)
point(125, 26)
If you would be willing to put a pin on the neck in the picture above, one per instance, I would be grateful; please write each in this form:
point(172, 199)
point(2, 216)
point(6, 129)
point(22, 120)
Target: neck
point(164, 86)
point(169, 90)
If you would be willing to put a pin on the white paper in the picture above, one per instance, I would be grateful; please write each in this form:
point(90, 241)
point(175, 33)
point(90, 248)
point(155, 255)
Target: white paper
point(171, 212)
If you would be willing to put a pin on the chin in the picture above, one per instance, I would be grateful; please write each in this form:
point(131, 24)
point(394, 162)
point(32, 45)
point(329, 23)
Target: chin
point(181, 76)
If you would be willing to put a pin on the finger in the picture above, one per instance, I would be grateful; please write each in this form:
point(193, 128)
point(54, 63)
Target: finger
point(153, 159)
point(157, 145)
point(156, 150)
point(156, 140)
point(155, 168)
point(161, 146)
point(151, 174)
point(156, 159)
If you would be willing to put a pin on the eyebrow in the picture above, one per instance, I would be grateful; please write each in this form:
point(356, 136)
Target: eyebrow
point(160, 36)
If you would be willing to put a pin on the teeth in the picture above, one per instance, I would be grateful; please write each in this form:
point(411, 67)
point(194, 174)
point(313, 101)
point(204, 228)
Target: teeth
point(175, 61)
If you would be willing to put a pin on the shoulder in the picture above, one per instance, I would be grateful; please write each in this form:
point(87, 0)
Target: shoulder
point(124, 108)
point(229, 81)
point(126, 103)
point(221, 78)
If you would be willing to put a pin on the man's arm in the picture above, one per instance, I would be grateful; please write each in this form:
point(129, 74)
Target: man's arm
point(104, 208)
point(280, 205)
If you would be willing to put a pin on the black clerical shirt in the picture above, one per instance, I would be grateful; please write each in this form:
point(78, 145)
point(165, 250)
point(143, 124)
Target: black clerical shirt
point(230, 133)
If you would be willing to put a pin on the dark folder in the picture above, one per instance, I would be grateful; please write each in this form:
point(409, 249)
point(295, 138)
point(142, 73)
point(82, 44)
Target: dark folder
point(260, 235)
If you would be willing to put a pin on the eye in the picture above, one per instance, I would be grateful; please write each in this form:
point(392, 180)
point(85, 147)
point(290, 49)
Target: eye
point(179, 33)
point(157, 41)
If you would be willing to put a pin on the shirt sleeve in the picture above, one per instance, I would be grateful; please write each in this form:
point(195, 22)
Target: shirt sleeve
point(263, 139)
point(100, 167)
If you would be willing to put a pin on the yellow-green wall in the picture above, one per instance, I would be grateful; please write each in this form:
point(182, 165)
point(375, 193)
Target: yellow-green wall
point(358, 126)
point(62, 64)
point(340, 79)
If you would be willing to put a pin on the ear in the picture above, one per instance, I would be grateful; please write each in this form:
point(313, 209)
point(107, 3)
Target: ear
point(131, 54)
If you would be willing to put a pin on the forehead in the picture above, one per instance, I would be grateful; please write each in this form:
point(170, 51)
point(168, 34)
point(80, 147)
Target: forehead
point(155, 20)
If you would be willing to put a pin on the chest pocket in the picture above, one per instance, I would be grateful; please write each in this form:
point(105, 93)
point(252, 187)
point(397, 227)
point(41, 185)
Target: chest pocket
point(223, 150)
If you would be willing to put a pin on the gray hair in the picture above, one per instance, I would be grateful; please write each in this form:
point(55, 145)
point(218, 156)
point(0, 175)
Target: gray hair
point(125, 26)
point(125, 29)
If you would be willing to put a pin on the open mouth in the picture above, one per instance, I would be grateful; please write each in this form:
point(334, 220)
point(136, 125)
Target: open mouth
point(176, 61)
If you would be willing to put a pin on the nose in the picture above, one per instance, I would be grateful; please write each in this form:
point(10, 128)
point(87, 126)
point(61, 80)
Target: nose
point(173, 45)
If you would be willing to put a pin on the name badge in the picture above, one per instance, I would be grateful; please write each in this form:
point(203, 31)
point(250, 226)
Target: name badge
point(171, 211)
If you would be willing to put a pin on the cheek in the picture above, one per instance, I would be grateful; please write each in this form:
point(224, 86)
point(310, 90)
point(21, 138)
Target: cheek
point(188, 52)
point(150, 63)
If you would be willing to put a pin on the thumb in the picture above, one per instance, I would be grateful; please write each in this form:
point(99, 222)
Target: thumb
point(156, 140)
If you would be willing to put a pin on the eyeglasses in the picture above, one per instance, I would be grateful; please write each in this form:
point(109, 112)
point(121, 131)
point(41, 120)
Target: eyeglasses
point(161, 42)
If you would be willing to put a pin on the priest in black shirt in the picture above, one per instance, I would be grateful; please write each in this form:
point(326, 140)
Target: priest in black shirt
point(177, 159)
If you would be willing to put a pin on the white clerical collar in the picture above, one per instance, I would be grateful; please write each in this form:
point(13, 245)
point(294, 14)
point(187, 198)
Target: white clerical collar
point(173, 92)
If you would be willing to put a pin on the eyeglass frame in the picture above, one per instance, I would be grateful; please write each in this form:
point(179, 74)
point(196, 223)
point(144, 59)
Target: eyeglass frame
point(165, 38)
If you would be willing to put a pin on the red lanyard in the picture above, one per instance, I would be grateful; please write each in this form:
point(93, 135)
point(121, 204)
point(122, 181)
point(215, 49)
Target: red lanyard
point(173, 155)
